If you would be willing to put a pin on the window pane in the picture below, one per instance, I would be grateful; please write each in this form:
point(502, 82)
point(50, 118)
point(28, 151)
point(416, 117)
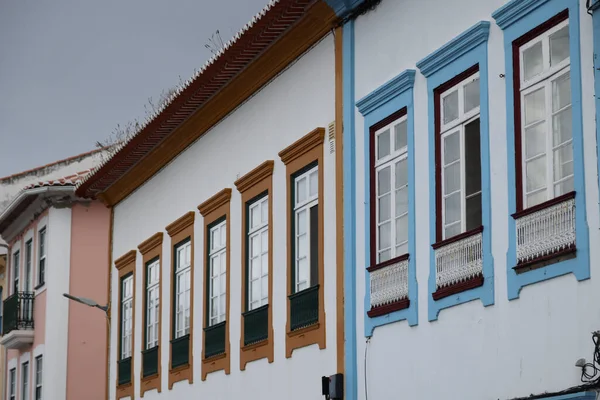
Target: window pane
point(383, 144)
point(536, 173)
point(401, 173)
point(402, 249)
point(255, 290)
point(400, 132)
point(562, 127)
point(401, 201)
point(535, 107)
point(451, 147)
point(254, 246)
point(452, 230)
point(450, 107)
point(385, 255)
point(536, 198)
point(385, 233)
point(565, 186)
point(471, 92)
point(264, 288)
point(401, 230)
point(302, 246)
point(384, 208)
point(255, 216)
point(563, 162)
point(535, 140)
point(255, 268)
point(302, 270)
point(264, 206)
point(472, 158)
point(264, 241)
point(452, 208)
point(301, 190)
point(314, 183)
point(559, 46)
point(452, 178)
point(533, 62)
point(264, 265)
point(561, 92)
point(384, 180)
point(301, 228)
point(474, 212)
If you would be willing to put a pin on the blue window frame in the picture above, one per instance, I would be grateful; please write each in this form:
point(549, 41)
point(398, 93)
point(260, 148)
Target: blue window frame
point(464, 53)
point(517, 19)
point(386, 105)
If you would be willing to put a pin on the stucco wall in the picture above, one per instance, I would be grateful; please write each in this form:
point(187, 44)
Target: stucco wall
point(86, 348)
point(295, 103)
point(512, 348)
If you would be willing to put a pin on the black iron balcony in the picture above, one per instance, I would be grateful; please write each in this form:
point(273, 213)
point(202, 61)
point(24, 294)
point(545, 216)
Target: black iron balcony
point(124, 371)
point(304, 308)
point(18, 312)
point(214, 340)
point(180, 351)
point(150, 362)
point(256, 325)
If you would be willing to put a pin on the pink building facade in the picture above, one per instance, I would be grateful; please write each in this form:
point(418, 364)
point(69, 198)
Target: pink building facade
point(54, 348)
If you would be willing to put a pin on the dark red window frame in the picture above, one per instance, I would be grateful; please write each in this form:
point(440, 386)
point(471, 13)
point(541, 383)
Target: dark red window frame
point(373, 186)
point(516, 45)
point(437, 92)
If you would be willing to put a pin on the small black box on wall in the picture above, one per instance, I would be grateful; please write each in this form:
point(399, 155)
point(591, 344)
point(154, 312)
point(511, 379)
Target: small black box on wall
point(333, 387)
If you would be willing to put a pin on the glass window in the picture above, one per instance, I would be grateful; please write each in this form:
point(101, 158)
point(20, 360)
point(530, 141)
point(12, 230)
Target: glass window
point(546, 124)
point(460, 159)
point(42, 257)
point(39, 363)
point(28, 255)
point(391, 188)
point(258, 253)
point(183, 263)
point(16, 271)
point(25, 381)
point(306, 224)
point(12, 390)
point(152, 303)
point(126, 316)
point(217, 258)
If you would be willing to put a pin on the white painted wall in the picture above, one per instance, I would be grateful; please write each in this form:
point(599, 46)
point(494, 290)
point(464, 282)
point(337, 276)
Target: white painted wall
point(510, 349)
point(295, 103)
point(57, 311)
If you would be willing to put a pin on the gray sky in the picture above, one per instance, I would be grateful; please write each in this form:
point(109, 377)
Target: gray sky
point(70, 70)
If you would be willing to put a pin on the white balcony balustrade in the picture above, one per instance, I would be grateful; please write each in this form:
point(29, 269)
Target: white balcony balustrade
point(546, 232)
point(459, 260)
point(389, 284)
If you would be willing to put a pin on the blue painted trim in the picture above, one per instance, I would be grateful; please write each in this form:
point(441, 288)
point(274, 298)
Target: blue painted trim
point(385, 92)
point(590, 395)
point(349, 148)
point(511, 12)
point(458, 58)
point(579, 266)
point(457, 47)
point(341, 7)
point(381, 103)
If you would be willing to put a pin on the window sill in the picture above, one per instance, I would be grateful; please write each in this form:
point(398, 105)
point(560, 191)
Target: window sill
point(214, 358)
point(180, 368)
point(544, 261)
point(38, 287)
point(304, 330)
point(458, 288)
point(150, 377)
point(256, 345)
point(459, 237)
point(388, 308)
point(544, 205)
point(388, 263)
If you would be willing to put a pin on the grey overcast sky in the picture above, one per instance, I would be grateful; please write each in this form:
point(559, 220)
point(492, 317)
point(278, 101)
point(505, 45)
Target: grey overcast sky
point(71, 70)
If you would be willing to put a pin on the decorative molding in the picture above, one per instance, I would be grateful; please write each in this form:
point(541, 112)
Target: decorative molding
point(457, 47)
point(302, 146)
point(150, 243)
point(458, 288)
point(125, 259)
point(514, 10)
point(384, 93)
point(215, 202)
point(259, 173)
point(180, 224)
point(389, 308)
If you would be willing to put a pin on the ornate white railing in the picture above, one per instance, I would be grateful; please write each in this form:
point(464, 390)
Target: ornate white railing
point(459, 260)
point(389, 284)
point(546, 231)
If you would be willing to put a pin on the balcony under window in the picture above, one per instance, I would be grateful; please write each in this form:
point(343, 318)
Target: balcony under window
point(546, 232)
point(389, 286)
point(17, 322)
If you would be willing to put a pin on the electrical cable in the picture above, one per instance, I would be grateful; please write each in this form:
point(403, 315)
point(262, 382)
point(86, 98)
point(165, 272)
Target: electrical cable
point(594, 366)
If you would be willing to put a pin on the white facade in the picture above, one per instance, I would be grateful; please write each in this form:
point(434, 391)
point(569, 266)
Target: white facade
point(292, 105)
point(511, 348)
